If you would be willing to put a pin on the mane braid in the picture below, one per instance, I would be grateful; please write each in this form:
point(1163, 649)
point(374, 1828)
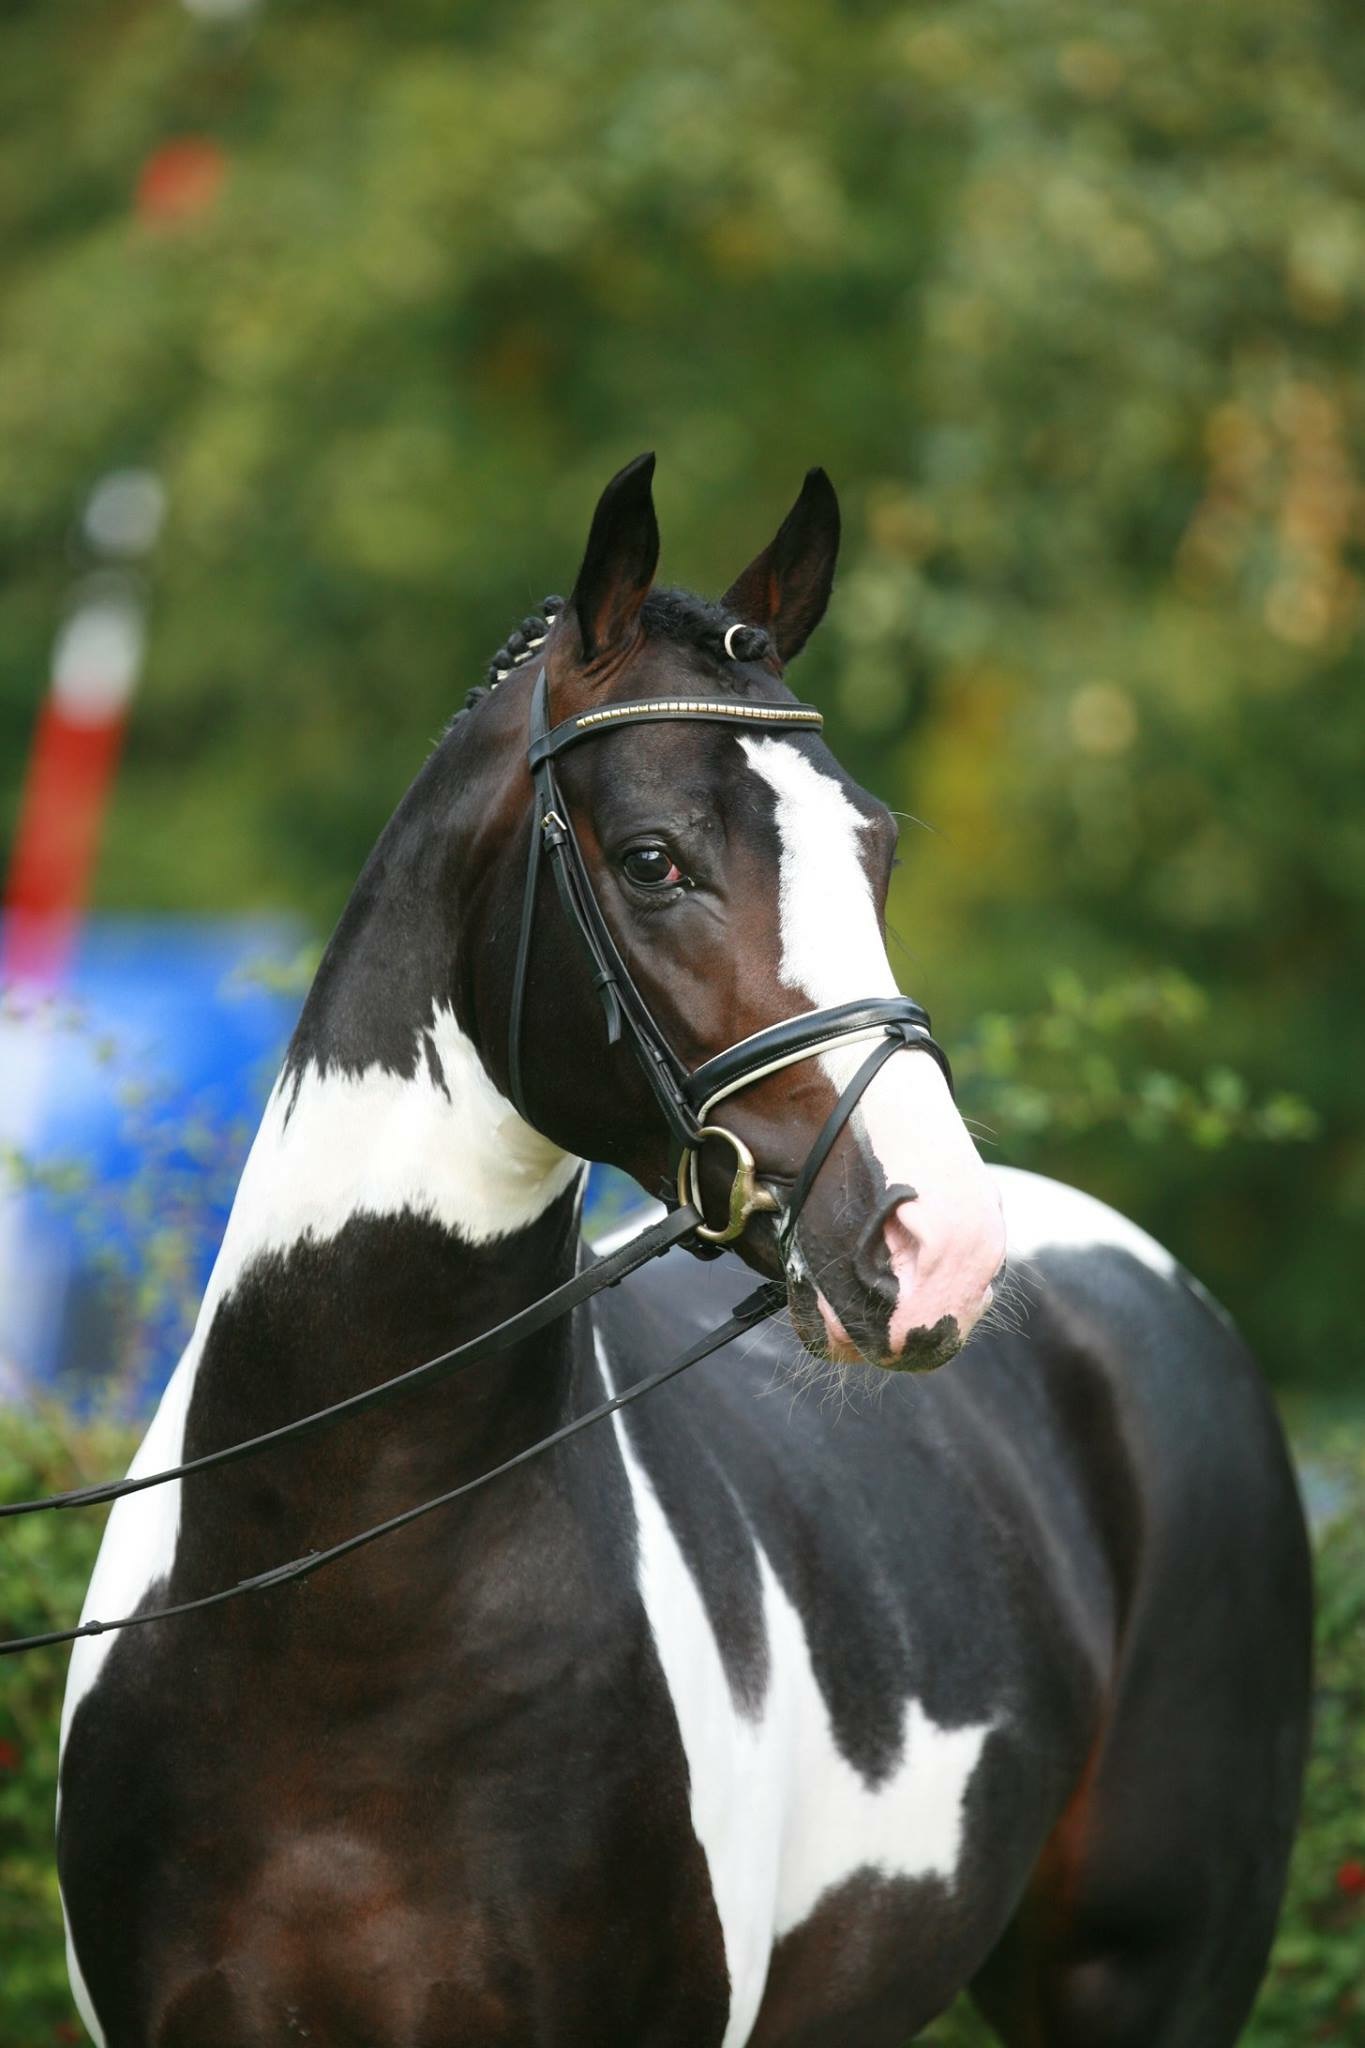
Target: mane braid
point(518, 648)
point(677, 615)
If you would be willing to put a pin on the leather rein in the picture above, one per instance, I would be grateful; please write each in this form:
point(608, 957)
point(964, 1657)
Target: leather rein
point(687, 1101)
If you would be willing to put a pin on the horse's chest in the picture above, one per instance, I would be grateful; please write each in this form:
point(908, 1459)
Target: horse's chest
point(338, 1880)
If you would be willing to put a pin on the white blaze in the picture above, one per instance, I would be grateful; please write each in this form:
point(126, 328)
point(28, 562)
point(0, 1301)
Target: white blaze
point(949, 1243)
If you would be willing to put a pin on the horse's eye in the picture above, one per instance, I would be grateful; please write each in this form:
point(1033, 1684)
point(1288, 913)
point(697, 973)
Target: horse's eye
point(649, 867)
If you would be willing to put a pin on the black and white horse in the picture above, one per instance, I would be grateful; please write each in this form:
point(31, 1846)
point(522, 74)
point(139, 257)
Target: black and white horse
point(749, 1716)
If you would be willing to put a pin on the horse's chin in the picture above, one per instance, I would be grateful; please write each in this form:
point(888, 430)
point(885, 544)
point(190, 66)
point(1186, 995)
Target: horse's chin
point(825, 1336)
point(814, 1337)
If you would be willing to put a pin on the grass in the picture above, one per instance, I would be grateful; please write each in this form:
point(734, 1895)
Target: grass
point(1314, 1991)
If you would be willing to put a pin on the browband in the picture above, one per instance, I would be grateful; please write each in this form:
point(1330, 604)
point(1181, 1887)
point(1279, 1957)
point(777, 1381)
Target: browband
point(653, 710)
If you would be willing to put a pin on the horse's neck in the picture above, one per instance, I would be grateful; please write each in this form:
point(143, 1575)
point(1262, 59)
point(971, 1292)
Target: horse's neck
point(429, 1139)
point(393, 1204)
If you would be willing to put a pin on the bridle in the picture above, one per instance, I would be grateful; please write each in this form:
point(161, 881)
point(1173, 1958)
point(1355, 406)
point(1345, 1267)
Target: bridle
point(687, 1100)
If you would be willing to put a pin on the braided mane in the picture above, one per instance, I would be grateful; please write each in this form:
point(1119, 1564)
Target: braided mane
point(678, 615)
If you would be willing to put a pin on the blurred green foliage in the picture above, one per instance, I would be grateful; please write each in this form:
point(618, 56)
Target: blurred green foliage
point(1068, 297)
point(1312, 1993)
point(48, 1560)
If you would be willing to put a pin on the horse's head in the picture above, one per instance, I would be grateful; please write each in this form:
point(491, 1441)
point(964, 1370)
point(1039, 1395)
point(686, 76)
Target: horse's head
point(741, 876)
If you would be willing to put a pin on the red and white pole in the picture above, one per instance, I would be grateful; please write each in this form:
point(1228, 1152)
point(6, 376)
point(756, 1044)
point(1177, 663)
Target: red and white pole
point(96, 663)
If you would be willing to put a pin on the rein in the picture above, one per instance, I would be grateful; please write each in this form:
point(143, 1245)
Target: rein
point(686, 1099)
point(757, 1307)
point(561, 1301)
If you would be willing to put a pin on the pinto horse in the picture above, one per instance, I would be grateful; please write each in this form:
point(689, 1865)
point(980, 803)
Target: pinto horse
point(748, 1716)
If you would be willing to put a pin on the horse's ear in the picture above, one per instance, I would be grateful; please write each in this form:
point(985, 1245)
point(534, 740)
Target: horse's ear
point(786, 588)
point(619, 563)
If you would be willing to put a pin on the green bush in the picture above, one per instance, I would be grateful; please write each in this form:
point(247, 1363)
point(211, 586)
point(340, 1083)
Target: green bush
point(1316, 1987)
point(47, 1561)
point(1313, 1991)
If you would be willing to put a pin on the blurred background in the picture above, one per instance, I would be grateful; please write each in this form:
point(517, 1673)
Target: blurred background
point(320, 330)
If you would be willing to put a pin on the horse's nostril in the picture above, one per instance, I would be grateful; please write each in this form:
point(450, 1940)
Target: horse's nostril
point(903, 1237)
point(872, 1258)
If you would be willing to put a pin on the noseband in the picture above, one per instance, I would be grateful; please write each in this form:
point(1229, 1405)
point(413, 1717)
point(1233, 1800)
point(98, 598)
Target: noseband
point(687, 1100)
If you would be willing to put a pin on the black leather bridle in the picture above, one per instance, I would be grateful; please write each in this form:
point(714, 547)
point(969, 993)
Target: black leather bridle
point(687, 1100)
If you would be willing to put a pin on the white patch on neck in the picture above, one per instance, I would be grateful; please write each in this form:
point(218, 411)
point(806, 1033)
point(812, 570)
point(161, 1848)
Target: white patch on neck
point(376, 1144)
point(368, 1144)
point(780, 1813)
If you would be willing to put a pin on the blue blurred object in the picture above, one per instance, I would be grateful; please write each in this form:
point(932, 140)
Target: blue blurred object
point(131, 1097)
point(130, 1101)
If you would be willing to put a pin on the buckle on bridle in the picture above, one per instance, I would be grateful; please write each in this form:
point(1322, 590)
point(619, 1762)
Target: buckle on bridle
point(747, 1197)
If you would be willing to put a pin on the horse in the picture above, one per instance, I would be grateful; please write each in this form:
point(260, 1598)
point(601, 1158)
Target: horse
point(826, 1682)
